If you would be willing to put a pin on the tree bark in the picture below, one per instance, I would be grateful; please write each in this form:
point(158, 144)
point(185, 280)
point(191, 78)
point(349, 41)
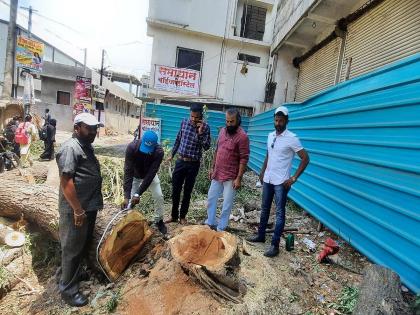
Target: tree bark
point(380, 293)
point(39, 205)
point(211, 258)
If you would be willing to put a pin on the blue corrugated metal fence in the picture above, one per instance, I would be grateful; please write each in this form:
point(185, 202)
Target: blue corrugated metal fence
point(363, 182)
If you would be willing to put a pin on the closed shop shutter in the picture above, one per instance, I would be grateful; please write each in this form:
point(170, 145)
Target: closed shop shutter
point(318, 71)
point(388, 32)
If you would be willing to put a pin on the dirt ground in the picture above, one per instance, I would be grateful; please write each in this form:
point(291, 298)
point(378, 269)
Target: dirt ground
point(291, 283)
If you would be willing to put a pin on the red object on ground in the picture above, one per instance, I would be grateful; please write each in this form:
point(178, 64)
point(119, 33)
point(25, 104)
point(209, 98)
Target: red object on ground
point(330, 248)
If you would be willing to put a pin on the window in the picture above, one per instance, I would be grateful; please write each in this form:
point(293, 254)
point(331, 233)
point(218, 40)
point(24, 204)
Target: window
point(253, 22)
point(63, 98)
point(189, 58)
point(249, 58)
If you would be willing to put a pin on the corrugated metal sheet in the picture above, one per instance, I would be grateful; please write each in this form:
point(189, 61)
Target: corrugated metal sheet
point(389, 32)
point(318, 71)
point(363, 182)
point(172, 116)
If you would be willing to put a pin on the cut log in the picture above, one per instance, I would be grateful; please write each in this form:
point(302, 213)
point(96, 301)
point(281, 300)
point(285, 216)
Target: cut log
point(39, 203)
point(123, 242)
point(211, 258)
point(10, 237)
point(380, 293)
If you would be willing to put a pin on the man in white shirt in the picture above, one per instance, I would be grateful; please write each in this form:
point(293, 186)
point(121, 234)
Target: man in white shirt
point(275, 176)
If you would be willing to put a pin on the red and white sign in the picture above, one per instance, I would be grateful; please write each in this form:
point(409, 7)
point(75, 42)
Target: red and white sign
point(153, 124)
point(183, 81)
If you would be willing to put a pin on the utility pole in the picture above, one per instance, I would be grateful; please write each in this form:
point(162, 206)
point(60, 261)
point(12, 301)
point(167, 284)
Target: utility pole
point(10, 51)
point(84, 62)
point(29, 78)
point(100, 84)
point(29, 19)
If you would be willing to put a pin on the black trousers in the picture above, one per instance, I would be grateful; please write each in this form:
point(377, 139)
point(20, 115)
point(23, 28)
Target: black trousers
point(75, 242)
point(185, 174)
point(48, 153)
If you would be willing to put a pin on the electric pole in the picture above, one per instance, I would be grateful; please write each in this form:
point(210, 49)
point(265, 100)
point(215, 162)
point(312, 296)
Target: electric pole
point(10, 51)
point(29, 19)
point(98, 104)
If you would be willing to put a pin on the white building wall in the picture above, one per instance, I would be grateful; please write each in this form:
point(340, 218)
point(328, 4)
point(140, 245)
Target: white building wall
point(201, 16)
point(164, 53)
point(209, 26)
point(240, 89)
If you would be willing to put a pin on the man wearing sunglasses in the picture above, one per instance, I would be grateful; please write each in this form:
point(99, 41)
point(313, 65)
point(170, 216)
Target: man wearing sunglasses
point(275, 176)
point(79, 200)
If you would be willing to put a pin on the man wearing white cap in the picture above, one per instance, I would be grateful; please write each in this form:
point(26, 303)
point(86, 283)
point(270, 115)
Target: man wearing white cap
point(275, 175)
point(80, 198)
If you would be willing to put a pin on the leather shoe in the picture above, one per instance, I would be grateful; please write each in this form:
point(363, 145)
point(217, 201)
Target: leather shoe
point(161, 227)
point(272, 251)
point(77, 299)
point(255, 239)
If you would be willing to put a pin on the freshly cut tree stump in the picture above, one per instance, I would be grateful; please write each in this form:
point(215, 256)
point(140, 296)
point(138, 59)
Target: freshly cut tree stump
point(211, 258)
point(123, 243)
point(38, 204)
point(380, 293)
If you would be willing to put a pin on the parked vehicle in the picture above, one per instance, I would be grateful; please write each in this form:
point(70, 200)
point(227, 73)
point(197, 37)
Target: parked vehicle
point(8, 159)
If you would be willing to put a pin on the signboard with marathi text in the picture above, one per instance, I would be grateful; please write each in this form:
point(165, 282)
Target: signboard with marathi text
point(98, 93)
point(82, 95)
point(183, 81)
point(153, 124)
point(29, 54)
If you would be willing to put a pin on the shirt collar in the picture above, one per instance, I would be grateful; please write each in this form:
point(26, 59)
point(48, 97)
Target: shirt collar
point(282, 134)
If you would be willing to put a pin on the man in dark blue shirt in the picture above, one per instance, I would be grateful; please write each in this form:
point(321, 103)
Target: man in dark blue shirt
point(193, 137)
point(142, 161)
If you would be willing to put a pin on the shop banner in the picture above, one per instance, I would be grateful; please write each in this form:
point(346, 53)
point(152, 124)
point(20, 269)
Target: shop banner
point(183, 81)
point(98, 93)
point(82, 96)
point(29, 54)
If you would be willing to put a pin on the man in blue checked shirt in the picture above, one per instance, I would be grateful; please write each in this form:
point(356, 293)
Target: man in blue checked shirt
point(193, 137)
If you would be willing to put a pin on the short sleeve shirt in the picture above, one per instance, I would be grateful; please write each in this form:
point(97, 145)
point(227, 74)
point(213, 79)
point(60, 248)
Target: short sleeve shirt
point(281, 150)
point(78, 160)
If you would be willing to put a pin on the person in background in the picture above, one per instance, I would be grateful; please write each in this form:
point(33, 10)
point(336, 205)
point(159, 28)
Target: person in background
point(49, 141)
point(47, 117)
point(9, 133)
point(30, 131)
point(193, 137)
point(142, 161)
point(79, 200)
point(229, 165)
point(275, 176)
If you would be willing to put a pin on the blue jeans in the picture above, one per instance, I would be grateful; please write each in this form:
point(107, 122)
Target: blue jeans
point(216, 188)
point(280, 197)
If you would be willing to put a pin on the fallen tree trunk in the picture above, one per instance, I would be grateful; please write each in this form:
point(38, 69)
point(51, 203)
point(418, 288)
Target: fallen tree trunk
point(211, 258)
point(380, 293)
point(39, 203)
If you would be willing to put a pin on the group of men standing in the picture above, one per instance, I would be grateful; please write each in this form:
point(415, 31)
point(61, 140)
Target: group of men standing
point(80, 181)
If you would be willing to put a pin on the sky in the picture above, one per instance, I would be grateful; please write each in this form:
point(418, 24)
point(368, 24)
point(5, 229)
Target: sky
point(118, 27)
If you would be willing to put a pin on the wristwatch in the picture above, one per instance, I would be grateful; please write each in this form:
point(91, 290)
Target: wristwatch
point(293, 179)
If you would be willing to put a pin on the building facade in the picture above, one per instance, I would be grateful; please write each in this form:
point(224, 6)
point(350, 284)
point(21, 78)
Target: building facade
point(319, 44)
point(54, 88)
point(228, 42)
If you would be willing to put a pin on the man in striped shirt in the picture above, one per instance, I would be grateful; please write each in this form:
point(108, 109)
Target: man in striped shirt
point(193, 137)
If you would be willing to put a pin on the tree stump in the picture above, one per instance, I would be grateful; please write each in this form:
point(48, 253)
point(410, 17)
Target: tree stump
point(380, 293)
point(38, 203)
point(211, 258)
